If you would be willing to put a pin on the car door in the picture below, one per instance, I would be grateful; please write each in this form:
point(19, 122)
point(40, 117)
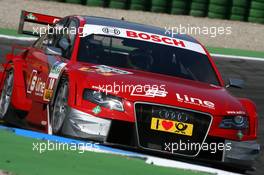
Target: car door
point(57, 66)
point(38, 63)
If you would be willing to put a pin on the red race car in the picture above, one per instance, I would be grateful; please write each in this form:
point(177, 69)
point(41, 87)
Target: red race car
point(126, 84)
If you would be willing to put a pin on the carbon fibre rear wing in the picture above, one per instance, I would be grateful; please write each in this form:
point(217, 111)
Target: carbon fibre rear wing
point(36, 18)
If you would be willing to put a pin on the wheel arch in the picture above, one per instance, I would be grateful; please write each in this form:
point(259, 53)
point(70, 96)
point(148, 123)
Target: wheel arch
point(19, 98)
point(251, 109)
point(65, 75)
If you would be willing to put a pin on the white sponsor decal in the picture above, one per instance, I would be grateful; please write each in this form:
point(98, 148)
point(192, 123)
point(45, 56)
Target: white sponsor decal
point(151, 92)
point(56, 69)
point(36, 84)
point(236, 112)
point(53, 76)
point(107, 69)
point(195, 101)
point(55, 20)
point(143, 36)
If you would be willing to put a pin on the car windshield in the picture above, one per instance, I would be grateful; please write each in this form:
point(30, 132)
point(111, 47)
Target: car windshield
point(146, 56)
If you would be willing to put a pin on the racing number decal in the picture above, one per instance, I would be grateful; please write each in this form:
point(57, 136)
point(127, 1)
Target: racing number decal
point(49, 91)
point(51, 82)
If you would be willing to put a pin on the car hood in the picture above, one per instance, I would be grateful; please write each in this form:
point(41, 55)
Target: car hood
point(140, 86)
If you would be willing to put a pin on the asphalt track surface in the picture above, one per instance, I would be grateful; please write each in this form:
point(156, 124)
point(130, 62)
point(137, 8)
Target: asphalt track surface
point(252, 72)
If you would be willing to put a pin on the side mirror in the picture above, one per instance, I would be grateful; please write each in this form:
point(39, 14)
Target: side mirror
point(53, 51)
point(64, 44)
point(236, 83)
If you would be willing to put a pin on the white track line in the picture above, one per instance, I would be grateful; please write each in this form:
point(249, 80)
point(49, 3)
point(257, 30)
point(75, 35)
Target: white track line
point(237, 57)
point(166, 162)
point(213, 55)
point(20, 38)
point(188, 166)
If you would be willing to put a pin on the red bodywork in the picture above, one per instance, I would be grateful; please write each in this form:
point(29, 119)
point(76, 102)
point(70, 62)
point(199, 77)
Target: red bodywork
point(35, 59)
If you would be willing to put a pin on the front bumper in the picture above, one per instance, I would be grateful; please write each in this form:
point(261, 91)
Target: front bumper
point(82, 125)
point(242, 153)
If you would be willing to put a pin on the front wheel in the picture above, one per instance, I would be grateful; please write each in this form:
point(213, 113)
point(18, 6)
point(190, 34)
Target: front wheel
point(60, 107)
point(6, 94)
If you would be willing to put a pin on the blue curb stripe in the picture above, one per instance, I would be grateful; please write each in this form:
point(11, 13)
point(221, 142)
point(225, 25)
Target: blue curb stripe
point(44, 137)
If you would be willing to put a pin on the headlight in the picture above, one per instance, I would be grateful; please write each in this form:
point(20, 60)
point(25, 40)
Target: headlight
point(234, 122)
point(102, 99)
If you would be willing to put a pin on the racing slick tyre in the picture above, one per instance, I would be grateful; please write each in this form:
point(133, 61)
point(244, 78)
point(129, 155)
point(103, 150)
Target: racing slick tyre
point(257, 5)
point(201, 1)
point(160, 3)
point(216, 15)
point(219, 2)
point(218, 9)
point(240, 3)
point(74, 1)
point(96, 3)
point(199, 6)
point(256, 20)
point(180, 7)
point(179, 4)
point(60, 107)
point(256, 13)
point(6, 94)
point(159, 6)
point(118, 4)
point(237, 17)
point(178, 11)
point(136, 7)
point(238, 11)
point(158, 9)
point(197, 13)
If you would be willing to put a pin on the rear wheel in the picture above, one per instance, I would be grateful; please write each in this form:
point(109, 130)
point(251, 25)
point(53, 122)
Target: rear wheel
point(60, 108)
point(6, 94)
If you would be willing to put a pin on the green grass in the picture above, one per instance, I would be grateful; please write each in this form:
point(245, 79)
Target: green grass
point(18, 157)
point(237, 52)
point(11, 32)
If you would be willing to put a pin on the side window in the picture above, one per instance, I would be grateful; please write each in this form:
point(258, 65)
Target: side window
point(52, 35)
point(65, 38)
point(70, 35)
point(39, 42)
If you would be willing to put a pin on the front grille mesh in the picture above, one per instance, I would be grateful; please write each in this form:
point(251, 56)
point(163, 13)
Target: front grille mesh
point(160, 140)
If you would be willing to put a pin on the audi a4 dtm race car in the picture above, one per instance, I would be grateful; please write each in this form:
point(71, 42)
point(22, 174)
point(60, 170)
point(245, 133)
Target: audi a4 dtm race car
point(127, 84)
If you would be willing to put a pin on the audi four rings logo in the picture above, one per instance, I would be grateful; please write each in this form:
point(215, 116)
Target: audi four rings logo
point(111, 31)
point(181, 117)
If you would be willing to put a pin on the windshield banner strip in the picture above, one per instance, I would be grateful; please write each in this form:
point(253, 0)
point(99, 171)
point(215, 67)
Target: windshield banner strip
point(143, 36)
